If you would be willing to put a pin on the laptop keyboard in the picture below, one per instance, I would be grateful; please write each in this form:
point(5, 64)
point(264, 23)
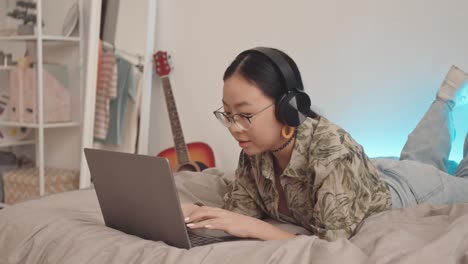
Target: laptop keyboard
point(197, 240)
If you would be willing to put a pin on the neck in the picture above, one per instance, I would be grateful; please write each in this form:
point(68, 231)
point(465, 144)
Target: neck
point(283, 156)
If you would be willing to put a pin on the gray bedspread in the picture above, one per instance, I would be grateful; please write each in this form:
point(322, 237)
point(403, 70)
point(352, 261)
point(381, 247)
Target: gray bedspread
point(69, 228)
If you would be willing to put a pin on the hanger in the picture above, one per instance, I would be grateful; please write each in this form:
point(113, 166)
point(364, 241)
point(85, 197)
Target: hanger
point(116, 51)
point(139, 66)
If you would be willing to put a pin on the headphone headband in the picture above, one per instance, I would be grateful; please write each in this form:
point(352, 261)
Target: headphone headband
point(282, 65)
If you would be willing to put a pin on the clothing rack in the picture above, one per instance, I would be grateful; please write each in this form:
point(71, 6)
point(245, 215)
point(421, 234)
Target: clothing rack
point(125, 53)
point(91, 80)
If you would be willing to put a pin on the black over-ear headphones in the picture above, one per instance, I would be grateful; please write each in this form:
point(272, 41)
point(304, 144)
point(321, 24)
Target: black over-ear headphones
point(293, 106)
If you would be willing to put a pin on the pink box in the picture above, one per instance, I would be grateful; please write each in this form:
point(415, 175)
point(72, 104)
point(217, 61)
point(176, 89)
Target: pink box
point(23, 97)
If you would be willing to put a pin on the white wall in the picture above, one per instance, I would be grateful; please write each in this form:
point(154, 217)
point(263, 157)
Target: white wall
point(373, 67)
point(131, 26)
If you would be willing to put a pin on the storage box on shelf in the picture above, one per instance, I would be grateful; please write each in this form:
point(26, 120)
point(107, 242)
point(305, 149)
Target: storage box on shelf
point(8, 161)
point(23, 184)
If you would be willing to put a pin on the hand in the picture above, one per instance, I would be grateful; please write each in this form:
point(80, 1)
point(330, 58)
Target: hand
point(188, 208)
point(234, 224)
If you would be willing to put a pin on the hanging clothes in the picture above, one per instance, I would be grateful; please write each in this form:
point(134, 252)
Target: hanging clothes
point(130, 128)
point(106, 91)
point(126, 89)
point(129, 131)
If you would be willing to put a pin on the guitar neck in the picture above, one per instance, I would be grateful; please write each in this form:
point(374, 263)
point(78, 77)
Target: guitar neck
point(177, 134)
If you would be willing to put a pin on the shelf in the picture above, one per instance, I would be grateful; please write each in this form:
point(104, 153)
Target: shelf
point(32, 125)
point(44, 38)
point(60, 125)
point(17, 143)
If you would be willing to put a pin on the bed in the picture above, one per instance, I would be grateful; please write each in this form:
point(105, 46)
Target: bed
point(69, 228)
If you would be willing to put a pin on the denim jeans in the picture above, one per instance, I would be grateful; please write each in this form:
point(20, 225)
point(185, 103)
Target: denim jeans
point(420, 175)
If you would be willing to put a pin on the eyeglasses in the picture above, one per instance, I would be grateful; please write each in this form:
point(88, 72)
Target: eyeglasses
point(242, 121)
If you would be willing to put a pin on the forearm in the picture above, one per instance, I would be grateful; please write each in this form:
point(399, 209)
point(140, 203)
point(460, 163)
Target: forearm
point(265, 231)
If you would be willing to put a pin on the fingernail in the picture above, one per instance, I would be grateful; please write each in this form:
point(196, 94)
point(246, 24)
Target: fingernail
point(190, 225)
point(186, 219)
point(207, 226)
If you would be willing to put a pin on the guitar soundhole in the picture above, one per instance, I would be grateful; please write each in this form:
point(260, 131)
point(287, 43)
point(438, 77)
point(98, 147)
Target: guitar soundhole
point(188, 167)
point(201, 165)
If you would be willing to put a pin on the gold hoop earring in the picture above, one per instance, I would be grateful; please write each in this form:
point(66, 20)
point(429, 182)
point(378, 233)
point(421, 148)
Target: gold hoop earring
point(287, 134)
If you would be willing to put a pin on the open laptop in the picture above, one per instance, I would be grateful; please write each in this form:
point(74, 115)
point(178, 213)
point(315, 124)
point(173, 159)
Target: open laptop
point(138, 196)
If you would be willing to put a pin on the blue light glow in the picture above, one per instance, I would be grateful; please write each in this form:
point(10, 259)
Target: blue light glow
point(395, 138)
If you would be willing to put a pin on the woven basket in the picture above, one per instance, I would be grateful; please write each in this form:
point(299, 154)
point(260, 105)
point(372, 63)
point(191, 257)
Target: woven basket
point(23, 184)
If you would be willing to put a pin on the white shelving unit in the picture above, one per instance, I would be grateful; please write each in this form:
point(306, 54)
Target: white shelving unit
point(40, 127)
point(32, 125)
point(18, 143)
point(44, 38)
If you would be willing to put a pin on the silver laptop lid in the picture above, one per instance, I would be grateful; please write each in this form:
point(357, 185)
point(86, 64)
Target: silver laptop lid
point(138, 196)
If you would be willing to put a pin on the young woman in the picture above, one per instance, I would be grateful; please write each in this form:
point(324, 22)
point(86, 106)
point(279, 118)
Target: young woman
point(298, 167)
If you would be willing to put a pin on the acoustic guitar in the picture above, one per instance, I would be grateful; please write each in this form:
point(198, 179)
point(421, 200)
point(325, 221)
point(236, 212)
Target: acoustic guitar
point(195, 156)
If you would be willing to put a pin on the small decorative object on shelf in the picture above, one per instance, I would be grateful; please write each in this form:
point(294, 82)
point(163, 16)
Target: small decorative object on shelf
point(26, 11)
point(14, 134)
point(4, 99)
point(70, 24)
point(10, 134)
point(6, 59)
point(24, 63)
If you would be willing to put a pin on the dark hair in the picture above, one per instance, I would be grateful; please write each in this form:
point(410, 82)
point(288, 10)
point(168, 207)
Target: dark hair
point(259, 69)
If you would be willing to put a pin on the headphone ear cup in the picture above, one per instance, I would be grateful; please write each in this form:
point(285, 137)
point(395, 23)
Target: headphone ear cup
point(293, 108)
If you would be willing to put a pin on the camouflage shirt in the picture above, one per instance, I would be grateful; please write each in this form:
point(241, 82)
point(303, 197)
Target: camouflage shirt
point(330, 185)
